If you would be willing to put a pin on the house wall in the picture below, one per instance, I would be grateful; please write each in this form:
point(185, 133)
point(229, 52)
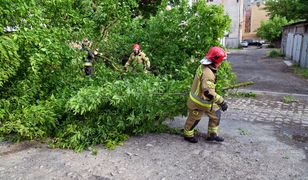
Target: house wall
point(256, 15)
point(234, 8)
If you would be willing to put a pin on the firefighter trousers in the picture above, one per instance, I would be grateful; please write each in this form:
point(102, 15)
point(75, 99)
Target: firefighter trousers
point(194, 117)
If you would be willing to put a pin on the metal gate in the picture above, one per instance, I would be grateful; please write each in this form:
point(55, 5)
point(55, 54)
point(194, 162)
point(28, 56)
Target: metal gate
point(289, 45)
point(297, 44)
point(304, 55)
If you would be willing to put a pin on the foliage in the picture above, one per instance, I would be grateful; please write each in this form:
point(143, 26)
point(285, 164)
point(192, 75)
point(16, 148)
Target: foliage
point(225, 77)
point(9, 59)
point(271, 30)
point(185, 34)
point(285, 157)
point(243, 132)
point(275, 54)
point(288, 99)
point(301, 71)
point(93, 150)
point(147, 8)
point(244, 94)
point(45, 94)
point(290, 9)
point(271, 46)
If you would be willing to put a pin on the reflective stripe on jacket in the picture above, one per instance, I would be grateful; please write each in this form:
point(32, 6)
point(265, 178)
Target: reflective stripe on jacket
point(204, 81)
point(140, 58)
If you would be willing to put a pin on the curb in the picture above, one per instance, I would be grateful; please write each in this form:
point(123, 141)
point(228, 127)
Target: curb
point(276, 94)
point(288, 62)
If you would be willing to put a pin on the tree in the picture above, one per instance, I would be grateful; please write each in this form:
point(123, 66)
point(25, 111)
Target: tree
point(303, 9)
point(148, 7)
point(271, 30)
point(290, 9)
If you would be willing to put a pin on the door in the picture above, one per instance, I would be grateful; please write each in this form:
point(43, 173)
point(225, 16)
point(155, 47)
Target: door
point(289, 45)
point(297, 44)
point(304, 54)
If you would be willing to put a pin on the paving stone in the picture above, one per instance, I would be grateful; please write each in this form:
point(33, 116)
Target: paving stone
point(268, 110)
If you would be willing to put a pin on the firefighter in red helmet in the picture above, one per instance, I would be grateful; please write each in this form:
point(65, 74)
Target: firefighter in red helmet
point(203, 99)
point(136, 58)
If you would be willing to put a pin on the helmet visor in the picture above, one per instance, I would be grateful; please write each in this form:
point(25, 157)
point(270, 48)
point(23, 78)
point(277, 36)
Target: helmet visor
point(205, 61)
point(136, 51)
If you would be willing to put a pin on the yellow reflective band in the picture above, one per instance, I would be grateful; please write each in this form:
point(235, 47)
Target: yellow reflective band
point(88, 64)
point(189, 133)
point(199, 101)
point(198, 88)
point(213, 129)
point(217, 97)
point(210, 84)
point(199, 71)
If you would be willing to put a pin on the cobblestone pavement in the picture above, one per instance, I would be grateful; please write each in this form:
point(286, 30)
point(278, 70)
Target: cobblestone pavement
point(268, 109)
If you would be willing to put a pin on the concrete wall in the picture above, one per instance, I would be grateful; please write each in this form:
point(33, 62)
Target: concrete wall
point(234, 8)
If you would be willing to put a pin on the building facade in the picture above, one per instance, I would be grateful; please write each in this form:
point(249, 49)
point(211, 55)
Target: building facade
point(233, 8)
point(254, 14)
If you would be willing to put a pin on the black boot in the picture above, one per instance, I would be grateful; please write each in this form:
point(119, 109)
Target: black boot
point(215, 138)
point(191, 139)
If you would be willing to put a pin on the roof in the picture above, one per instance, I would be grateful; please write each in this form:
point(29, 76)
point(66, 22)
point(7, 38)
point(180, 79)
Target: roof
point(296, 23)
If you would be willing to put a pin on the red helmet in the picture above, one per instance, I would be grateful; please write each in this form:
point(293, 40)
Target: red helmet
point(136, 46)
point(216, 55)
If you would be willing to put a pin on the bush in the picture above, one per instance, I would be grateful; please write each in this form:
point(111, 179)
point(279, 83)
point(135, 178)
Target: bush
point(275, 54)
point(271, 30)
point(271, 46)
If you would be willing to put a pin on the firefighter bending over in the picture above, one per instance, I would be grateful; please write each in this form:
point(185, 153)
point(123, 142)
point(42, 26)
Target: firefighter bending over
point(138, 58)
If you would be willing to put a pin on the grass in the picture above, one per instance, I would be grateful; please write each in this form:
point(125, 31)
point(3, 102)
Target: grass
point(275, 54)
point(285, 157)
point(93, 150)
point(243, 94)
point(301, 71)
point(288, 99)
point(2, 138)
point(243, 132)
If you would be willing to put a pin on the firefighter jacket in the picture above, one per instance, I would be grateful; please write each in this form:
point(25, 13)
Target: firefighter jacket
point(89, 59)
point(203, 93)
point(140, 58)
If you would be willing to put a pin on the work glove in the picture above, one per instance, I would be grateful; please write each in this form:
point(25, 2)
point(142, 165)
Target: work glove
point(224, 106)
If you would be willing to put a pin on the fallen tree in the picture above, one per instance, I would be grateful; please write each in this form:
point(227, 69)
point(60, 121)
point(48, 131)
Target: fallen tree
point(44, 93)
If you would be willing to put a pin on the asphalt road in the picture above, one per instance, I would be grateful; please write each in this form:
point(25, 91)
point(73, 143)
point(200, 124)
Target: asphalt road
point(269, 74)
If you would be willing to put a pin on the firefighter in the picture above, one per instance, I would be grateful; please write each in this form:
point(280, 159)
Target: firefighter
point(89, 59)
point(138, 58)
point(203, 99)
